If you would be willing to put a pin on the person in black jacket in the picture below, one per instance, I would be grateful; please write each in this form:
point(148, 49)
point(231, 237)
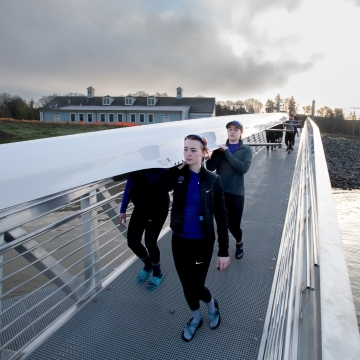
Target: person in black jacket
point(270, 138)
point(197, 198)
point(148, 216)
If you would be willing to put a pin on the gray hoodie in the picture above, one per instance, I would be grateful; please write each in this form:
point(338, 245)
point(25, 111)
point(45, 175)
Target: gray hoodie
point(231, 168)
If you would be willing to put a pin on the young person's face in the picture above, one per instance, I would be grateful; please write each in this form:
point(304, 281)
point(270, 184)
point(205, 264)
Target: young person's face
point(234, 133)
point(193, 152)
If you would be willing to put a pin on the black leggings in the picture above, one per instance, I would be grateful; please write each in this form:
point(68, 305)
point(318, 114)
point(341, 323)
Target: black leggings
point(192, 260)
point(290, 139)
point(139, 223)
point(235, 206)
point(270, 138)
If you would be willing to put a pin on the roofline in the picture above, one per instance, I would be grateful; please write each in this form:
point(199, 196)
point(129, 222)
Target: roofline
point(113, 108)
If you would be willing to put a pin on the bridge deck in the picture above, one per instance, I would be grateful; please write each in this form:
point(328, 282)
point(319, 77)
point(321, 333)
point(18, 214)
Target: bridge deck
point(128, 322)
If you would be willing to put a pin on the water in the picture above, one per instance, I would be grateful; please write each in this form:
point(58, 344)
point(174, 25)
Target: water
point(347, 205)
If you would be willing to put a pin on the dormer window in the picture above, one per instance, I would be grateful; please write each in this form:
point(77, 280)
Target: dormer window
point(129, 101)
point(179, 91)
point(151, 101)
point(107, 100)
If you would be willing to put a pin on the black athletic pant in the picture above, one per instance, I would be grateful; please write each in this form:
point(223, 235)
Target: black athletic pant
point(235, 206)
point(192, 260)
point(289, 139)
point(139, 223)
point(270, 138)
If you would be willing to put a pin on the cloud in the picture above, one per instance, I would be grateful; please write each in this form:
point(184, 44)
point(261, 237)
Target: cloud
point(120, 47)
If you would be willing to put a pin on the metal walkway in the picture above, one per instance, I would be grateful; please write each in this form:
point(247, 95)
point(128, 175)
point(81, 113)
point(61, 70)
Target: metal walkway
point(127, 322)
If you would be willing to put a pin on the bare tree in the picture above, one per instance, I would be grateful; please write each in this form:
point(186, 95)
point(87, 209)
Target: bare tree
point(239, 104)
point(253, 106)
point(325, 111)
point(307, 110)
point(5, 98)
point(74, 94)
point(139, 93)
point(230, 104)
point(45, 99)
point(158, 94)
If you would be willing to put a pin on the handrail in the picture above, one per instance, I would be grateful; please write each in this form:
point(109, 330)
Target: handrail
point(301, 319)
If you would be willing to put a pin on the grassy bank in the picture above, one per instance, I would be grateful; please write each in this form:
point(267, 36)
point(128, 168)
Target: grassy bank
point(18, 130)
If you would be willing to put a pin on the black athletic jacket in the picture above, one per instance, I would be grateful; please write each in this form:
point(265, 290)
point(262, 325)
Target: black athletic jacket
point(212, 204)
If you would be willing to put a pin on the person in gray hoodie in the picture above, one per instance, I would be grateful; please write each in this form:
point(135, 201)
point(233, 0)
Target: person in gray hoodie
point(231, 161)
point(291, 127)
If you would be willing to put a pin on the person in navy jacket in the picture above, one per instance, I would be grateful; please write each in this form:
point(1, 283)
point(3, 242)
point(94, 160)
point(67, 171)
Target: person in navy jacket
point(197, 198)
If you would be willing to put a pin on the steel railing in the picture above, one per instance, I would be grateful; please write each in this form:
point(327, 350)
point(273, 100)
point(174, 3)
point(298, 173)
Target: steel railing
point(295, 293)
point(71, 243)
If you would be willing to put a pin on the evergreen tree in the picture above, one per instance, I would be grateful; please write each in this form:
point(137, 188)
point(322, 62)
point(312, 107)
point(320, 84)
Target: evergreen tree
point(270, 106)
point(291, 105)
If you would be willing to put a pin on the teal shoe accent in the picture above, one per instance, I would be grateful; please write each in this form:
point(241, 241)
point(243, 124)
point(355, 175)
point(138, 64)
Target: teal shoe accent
point(215, 318)
point(142, 276)
point(155, 282)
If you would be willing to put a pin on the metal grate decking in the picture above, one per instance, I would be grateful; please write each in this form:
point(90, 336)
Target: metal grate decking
point(127, 322)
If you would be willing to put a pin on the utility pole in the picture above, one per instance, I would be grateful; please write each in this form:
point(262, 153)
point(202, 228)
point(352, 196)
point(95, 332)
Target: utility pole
point(313, 110)
point(354, 117)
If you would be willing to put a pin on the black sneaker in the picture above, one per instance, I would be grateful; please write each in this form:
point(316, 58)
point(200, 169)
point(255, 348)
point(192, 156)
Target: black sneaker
point(239, 252)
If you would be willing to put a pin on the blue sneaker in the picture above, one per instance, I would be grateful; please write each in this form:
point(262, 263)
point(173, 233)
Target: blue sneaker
point(142, 276)
point(155, 282)
point(215, 318)
point(190, 329)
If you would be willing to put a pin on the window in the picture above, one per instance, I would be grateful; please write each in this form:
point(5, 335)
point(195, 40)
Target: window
point(57, 118)
point(72, 117)
point(106, 101)
point(151, 101)
point(111, 117)
point(128, 101)
point(89, 117)
point(102, 118)
point(133, 117)
point(150, 118)
point(179, 92)
point(166, 118)
point(142, 118)
point(89, 91)
point(81, 117)
point(119, 117)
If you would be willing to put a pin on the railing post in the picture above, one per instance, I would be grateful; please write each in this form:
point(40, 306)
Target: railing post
point(92, 265)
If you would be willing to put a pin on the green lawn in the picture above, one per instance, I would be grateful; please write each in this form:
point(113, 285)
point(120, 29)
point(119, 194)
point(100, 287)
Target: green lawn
point(13, 131)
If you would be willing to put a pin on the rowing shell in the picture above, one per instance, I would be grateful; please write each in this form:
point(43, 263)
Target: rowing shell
point(38, 168)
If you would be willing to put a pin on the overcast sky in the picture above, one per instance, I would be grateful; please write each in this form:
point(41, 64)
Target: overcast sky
point(229, 49)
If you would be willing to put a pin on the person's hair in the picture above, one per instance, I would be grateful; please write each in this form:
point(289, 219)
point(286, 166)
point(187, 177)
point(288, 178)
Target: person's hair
point(202, 141)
